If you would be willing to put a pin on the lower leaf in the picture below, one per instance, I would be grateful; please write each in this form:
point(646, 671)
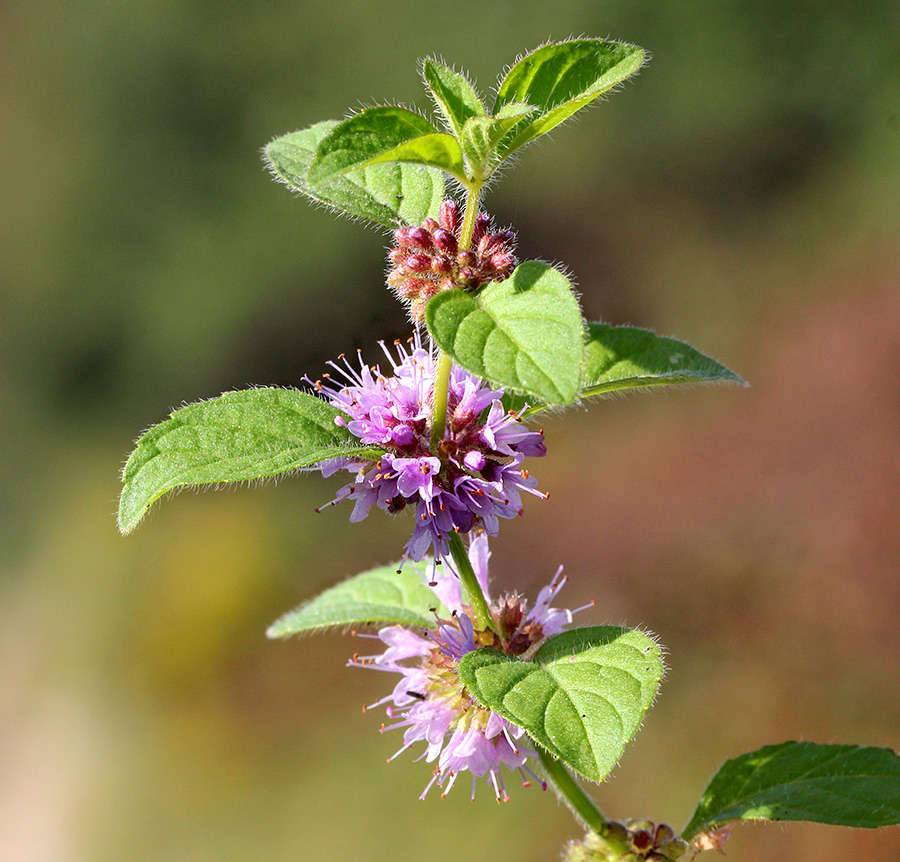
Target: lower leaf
point(582, 696)
point(378, 596)
point(843, 785)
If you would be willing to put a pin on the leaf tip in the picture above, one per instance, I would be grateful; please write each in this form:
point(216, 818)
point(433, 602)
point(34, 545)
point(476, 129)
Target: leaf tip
point(126, 521)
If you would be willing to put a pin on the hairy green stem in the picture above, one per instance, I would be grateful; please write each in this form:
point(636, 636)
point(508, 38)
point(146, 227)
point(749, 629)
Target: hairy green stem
point(580, 803)
point(441, 390)
point(468, 225)
point(471, 589)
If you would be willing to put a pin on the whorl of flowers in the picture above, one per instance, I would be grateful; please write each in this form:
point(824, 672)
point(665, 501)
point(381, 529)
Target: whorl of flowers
point(426, 260)
point(473, 477)
point(429, 701)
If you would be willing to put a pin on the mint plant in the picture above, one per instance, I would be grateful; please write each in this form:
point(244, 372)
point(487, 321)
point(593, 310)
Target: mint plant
point(439, 429)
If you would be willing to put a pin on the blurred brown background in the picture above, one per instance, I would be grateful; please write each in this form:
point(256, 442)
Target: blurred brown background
point(741, 194)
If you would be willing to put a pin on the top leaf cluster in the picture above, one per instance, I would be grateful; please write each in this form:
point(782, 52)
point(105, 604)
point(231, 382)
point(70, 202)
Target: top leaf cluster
point(357, 166)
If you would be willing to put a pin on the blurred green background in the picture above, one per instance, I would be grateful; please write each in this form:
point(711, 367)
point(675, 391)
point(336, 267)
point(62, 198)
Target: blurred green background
point(742, 194)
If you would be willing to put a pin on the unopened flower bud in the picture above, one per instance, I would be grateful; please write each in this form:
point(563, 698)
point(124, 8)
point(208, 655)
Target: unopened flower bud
point(420, 237)
point(428, 259)
point(482, 222)
point(419, 262)
point(412, 287)
point(450, 216)
point(441, 266)
point(445, 241)
point(502, 261)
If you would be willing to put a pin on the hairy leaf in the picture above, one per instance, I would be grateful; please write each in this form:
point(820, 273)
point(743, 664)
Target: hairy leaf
point(625, 357)
point(562, 78)
point(384, 194)
point(453, 93)
point(524, 333)
point(480, 136)
point(380, 596)
point(582, 696)
point(844, 785)
point(238, 436)
point(384, 134)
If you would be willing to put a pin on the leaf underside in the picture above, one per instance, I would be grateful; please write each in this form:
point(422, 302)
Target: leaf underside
point(382, 193)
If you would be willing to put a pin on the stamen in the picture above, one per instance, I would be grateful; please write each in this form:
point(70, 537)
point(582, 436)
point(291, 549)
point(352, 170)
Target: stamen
point(429, 785)
point(399, 751)
point(509, 739)
point(524, 769)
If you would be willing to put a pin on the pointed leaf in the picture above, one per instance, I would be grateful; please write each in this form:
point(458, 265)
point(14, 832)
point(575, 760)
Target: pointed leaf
point(582, 696)
point(562, 78)
point(439, 150)
point(524, 333)
point(382, 193)
point(844, 785)
point(480, 136)
point(379, 596)
point(233, 438)
point(617, 358)
point(453, 93)
point(384, 134)
point(625, 357)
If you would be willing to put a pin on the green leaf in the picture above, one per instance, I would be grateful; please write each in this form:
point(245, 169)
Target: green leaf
point(383, 193)
point(453, 93)
point(626, 357)
point(582, 696)
point(844, 785)
point(617, 358)
point(480, 136)
point(233, 438)
point(562, 78)
point(382, 595)
point(384, 134)
point(524, 333)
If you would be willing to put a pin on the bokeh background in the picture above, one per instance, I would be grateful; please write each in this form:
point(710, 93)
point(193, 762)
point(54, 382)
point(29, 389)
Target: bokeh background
point(741, 194)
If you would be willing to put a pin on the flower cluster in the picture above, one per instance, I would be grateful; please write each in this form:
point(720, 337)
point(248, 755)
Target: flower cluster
point(473, 477)
point(430, 702)
point(428, 259)
point(643, 838)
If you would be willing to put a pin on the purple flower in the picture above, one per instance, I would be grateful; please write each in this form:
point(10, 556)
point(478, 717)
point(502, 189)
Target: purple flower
point(475, 476)
point(430, 703)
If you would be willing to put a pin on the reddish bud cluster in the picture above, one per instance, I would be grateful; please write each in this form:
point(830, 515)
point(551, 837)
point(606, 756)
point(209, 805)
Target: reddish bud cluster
point(426, 260)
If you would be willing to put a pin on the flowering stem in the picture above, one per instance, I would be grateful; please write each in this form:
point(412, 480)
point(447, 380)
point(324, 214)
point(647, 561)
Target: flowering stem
point(441, 389)
point(472, 593)
point(580, 803)
point(442, 375)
